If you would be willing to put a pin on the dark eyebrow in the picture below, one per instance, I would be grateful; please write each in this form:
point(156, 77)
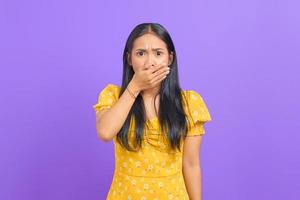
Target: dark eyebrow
point(154, 49)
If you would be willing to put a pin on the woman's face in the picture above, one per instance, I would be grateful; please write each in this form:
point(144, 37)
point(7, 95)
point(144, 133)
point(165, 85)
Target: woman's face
point(149, 50)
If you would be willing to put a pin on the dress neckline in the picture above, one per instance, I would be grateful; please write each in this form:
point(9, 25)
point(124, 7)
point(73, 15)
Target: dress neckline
point(152, 119)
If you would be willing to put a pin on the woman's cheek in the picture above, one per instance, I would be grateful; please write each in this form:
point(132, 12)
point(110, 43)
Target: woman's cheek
point(162, 59)
point(136, 64)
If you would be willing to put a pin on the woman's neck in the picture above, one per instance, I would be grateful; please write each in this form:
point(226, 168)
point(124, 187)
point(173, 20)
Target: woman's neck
point(150, 93)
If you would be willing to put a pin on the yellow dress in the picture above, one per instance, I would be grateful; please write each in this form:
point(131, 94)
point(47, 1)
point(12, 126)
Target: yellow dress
point(153, 172)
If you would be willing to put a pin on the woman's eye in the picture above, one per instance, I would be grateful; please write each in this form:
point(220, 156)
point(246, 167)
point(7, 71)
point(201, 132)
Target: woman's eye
point(139, 53)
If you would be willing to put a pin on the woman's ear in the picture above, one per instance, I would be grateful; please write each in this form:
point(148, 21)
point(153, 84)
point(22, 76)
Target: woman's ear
point(171, 57)
point(128, 59)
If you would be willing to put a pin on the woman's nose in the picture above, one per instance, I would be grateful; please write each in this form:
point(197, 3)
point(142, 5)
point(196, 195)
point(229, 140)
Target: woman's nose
point(150, 61)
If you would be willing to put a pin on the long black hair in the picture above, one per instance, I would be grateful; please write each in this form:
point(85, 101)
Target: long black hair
point(171, 115)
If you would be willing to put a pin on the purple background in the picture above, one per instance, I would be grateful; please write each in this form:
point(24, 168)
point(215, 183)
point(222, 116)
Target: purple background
point(241, 56)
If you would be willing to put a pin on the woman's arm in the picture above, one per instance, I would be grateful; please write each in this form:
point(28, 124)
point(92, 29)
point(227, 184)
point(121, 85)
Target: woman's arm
point(110, 121)
point(191, 167)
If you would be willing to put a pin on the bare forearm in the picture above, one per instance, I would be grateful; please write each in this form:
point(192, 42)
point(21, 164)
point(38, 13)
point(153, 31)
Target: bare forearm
point(116, 114)
point(193, 181)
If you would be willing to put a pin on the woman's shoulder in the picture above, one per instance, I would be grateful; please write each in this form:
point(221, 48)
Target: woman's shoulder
point(111, 89)
point(191, 95)
point(112, 86)
point(195, 105)
point(107, 96)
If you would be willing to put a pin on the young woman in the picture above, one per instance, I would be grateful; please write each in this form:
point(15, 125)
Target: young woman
point(151, 120)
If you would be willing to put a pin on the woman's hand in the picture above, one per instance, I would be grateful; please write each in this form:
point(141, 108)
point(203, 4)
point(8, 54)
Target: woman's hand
point(150, 77)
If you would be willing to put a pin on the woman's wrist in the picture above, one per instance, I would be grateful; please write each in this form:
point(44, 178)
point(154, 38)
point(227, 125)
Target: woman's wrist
point(133, 89)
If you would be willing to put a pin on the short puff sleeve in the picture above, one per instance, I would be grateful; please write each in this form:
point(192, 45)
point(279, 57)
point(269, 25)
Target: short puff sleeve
point(107, 97)
point(198, 113)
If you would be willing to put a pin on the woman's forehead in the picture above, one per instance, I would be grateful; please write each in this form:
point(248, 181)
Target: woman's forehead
point(149, 42)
